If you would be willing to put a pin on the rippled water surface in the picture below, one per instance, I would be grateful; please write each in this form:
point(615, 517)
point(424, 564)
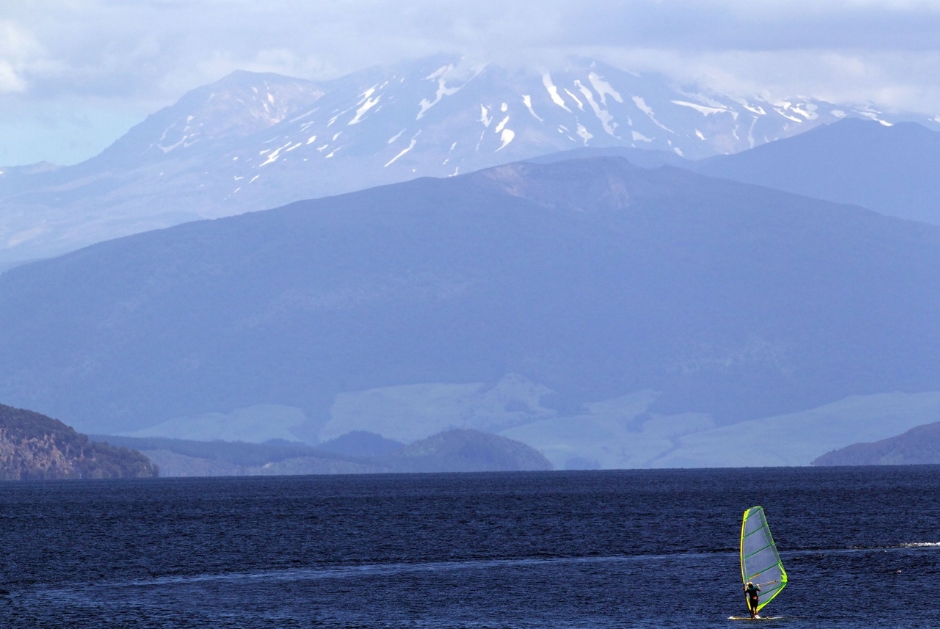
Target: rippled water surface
point(572, 549)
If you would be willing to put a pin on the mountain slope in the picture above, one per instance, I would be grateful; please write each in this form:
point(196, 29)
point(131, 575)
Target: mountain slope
point(467, 451)
point(255, 141)
point(890, 169)
point(514, 295)
point(917, 446)
point(36, 447)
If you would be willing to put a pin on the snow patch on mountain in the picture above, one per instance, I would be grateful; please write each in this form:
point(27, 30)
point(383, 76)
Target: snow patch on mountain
point(527, 101)
point(485, 117)
point(553, 91)
point(442, 90)
point(607, 120)
point(366, 104)
point(808, 110)
point(273, 155)
point(575, 99)
point(646, 109)
point(405, 150)
point(874, 115)
point(603, 88)
point(584, 133)
point(703, 109)
point(505, 137)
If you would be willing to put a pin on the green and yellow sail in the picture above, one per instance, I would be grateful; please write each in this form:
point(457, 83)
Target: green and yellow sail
point(760, 562)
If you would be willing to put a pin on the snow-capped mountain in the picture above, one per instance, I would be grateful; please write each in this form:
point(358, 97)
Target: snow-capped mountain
point(236, 107)
point(255, 141)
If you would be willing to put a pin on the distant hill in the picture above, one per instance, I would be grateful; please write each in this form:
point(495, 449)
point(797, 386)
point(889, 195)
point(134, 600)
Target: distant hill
point(468, 451)
point(917, 446)
point(544, 295)
point(890, 169)
point(450, 451)
point(180, 458)
point(253, 141)
point(36, 447)
point(361, 443)
point(645, 158)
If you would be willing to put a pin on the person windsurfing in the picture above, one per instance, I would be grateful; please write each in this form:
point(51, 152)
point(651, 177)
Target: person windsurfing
point(753, 598)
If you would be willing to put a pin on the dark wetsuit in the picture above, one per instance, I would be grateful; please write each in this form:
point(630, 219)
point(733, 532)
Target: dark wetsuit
point(753, 597)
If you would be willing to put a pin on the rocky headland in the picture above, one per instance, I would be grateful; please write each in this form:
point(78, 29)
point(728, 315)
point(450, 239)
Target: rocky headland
point(36, 447)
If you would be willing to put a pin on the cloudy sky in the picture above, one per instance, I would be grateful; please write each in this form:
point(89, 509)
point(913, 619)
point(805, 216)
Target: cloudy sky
point(76, 74)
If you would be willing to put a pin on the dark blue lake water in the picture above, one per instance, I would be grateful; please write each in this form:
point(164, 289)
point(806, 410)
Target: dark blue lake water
point(572, 549)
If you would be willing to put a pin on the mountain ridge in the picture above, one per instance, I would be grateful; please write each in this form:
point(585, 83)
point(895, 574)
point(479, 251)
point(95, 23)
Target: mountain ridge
point(449, 451)
point(255, 141)
point(889, 169)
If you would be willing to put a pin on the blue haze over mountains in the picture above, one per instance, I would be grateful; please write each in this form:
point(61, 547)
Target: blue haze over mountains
point(255, 141)
point(614, 304)
point(580, 307)
point(894, 170)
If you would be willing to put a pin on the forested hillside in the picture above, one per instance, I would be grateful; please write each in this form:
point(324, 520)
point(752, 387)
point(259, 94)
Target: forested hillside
point(36, 447)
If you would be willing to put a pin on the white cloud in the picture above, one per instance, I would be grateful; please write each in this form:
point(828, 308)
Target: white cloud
point(895, 81)
point(10, 81)
point(156, 48)
point(17, 50)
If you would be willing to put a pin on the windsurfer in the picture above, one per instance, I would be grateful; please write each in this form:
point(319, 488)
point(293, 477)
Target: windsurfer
point(753, 597)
